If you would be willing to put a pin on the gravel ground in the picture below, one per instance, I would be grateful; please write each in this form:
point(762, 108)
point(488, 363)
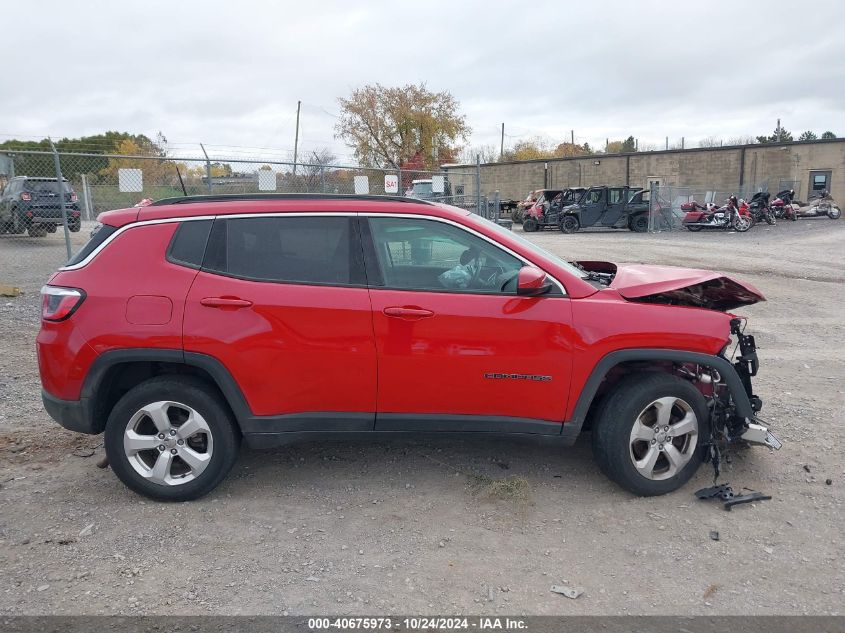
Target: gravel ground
point(420, 526)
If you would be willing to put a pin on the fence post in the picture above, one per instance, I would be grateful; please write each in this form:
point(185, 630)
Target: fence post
point(653, 205)
point(323, 178)
point(400, 190)
point(207, 169)
point(478, 183)
point(60, 187)
point(85, 196)
point(496, 206)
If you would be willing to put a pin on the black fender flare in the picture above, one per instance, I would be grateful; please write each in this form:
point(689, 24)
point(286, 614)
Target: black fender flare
point(219, 374)
point(742, 403)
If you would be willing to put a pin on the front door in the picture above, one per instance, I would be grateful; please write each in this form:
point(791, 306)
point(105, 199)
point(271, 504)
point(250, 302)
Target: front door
point(282, 303)
point(458, 350)
point(592, 206)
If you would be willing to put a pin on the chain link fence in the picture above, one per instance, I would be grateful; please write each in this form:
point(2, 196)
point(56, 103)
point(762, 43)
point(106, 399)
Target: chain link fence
point(669, 204)
point(50, 200)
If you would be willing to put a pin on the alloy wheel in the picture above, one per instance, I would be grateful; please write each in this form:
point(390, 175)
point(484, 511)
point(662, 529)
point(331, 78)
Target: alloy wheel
point(168, 443)
point(664, 438)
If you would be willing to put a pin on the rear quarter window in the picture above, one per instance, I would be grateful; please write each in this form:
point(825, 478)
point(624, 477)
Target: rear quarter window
point(187, 248)
point(98, 236)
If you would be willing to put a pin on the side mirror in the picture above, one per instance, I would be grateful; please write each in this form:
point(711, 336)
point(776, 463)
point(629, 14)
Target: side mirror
point(532, 282)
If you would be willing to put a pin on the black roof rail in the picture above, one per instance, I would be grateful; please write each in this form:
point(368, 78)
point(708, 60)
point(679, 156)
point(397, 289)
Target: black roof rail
point(231, 197)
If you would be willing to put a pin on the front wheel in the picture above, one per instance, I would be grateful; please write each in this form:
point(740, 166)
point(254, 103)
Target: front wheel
point(516, 216)
point(834, 213)
point(649, 435)
point(569, 224)
point(171, 438)
point(742, 223)
point(770, 219)
point(693, 228)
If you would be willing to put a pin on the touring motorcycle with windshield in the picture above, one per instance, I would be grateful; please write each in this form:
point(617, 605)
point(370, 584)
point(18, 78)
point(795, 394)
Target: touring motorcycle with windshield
point(729, 216)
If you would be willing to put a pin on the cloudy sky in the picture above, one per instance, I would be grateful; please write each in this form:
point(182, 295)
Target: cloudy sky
point(230, 74)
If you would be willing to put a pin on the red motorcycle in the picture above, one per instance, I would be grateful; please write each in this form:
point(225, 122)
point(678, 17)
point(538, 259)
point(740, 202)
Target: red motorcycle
point(782, 206)
point(732, 215)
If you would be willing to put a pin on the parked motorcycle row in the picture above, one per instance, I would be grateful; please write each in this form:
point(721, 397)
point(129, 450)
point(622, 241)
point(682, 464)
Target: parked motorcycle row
point(740, 215)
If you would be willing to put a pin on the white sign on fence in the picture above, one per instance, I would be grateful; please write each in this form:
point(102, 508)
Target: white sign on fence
point(130, 180)
point(266, 180)
point(362, 185)
point(391, 184)
point(438, 184)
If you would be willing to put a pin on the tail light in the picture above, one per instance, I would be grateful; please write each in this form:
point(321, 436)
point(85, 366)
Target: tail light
point(73, 197)
point(58, 304)
point(26, 196)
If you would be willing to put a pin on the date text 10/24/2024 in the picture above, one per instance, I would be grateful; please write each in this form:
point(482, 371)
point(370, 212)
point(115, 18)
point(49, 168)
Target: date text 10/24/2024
point(418, 623)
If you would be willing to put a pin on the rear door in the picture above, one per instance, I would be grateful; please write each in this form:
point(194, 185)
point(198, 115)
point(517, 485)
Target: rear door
point(458, 350)
point(282, 302)
point(616, 199)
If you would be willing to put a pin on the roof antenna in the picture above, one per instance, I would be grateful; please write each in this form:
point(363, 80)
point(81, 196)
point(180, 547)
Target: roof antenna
point(181, 182)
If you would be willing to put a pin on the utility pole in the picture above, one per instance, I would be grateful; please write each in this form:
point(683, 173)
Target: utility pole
point(667, 142)
point(779, 132)
point(572, 137)
point(502, 144)
point(296, 138)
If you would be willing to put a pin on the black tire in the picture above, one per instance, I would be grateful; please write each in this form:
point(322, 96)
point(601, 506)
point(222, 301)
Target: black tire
point(74, 227)
point(36, 230)
point(639, 223)
point(834, 213)
point(770, 219)
point(694, 229)
point(611, 435)
point(16, 225)
point(196, 394)
point(51, 228)
point(529, 225)
point(569, 224)
point(516, 216)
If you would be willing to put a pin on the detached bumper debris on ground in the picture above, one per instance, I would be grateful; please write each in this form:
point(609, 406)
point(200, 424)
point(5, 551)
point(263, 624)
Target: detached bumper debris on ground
point(726, 494)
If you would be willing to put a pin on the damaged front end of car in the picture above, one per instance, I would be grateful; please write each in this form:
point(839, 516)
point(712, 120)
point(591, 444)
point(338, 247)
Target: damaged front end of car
point(726, 384)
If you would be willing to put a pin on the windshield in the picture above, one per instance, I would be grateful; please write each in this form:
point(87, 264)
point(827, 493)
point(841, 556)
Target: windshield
point(531, 246)
point(422, 189)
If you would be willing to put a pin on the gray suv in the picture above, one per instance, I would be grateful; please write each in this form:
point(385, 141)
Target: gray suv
point(33, 205)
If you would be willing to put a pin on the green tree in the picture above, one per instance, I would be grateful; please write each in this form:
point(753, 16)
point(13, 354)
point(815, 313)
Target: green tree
point(388, 126)
point(807, 136)
point(828, 135)
point(629, 145)
point(780, 135)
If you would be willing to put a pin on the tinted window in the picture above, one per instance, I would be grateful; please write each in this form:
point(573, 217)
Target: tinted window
point(417, 254)
point(615, 196)
point(299, 250)
point(188, 244)
point(98, 236)
point(46, 186)
point(593, 196)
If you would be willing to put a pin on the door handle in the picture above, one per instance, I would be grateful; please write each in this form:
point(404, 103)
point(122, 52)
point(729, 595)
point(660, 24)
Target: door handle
point(408, 313)
point(225, 302)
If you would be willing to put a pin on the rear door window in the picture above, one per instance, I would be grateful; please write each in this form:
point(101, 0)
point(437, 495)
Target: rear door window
point(306, 250)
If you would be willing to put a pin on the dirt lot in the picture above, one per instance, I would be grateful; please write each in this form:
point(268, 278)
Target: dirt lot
point(418, 526)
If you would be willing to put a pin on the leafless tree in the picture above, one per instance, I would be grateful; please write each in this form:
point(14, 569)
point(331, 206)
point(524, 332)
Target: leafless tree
point(316, 163)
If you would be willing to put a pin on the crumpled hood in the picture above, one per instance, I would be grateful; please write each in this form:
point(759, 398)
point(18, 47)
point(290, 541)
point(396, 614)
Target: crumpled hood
point(679, 286)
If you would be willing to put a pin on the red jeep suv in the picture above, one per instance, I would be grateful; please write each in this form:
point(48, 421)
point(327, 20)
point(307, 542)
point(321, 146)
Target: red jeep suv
point(184, 326)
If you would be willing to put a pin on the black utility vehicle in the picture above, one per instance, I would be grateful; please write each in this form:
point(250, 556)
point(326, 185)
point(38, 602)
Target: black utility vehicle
point(611, 207)
point(546, 211)
point(33, 205)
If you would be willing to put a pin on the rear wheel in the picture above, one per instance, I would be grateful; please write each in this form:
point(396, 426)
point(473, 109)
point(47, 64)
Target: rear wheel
point(569, 224)
point(516, 216)
point(36, 230)
point(171, 438)
point(529, 225)
point(692, 228)
point(650, 432)
point(16, 225)
point(639, 223)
